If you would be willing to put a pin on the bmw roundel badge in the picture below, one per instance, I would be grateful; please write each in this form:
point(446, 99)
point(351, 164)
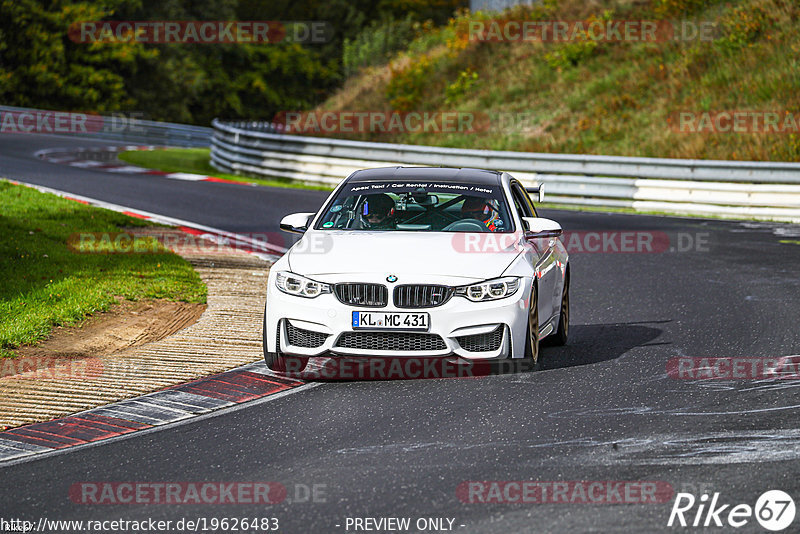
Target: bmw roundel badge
point(391, 279)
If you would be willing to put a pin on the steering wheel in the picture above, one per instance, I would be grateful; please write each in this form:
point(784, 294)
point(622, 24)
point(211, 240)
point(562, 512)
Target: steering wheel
point(465, 225)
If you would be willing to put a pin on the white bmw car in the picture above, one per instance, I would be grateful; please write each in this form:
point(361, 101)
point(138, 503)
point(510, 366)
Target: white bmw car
point(423, 262)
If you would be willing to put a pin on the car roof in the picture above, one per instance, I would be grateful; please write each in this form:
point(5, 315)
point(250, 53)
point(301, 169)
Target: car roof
point(464, 175)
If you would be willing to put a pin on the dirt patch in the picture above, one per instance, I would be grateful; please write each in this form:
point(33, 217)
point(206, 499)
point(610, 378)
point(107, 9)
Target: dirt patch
point(127, 324)
point(118, 361)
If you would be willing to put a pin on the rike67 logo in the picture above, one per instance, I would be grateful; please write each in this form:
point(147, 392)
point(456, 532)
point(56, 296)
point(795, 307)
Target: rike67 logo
point(774, 510)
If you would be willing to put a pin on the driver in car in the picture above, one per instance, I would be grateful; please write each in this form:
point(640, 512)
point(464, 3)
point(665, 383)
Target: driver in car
point(481, 210)
point(377, 212)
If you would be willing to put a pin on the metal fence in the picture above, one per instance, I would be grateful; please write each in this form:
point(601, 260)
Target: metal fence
point(115, 127)
point(759, 190)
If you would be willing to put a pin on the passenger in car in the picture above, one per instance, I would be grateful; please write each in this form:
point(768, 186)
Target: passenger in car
point(378, 212)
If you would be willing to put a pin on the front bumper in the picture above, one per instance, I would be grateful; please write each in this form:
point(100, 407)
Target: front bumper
point(472, 330)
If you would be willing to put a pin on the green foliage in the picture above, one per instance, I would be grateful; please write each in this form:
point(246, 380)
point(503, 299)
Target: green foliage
point(40, 66)
point(603, 97)
point(195, 83)
point(466, 79)
point(430, 36)
point(437, 11)
point(677, 8)
point(377, 42)
point(570, 54)
point(742, 26)
point(794, 147)
point(407, 85)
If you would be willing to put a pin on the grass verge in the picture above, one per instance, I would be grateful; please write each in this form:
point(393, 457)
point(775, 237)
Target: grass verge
point(584, 96)
point(43, 283)
point(196, 161)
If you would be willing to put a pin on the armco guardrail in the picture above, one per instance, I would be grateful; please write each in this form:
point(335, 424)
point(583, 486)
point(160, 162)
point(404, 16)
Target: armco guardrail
point(119, 127)
point(761, 190)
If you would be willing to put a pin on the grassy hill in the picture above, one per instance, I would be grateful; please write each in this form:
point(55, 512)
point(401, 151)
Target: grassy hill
point(586, 96)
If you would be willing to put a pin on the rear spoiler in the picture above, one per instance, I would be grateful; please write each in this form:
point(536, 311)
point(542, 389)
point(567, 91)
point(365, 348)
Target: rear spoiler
point(538, 190)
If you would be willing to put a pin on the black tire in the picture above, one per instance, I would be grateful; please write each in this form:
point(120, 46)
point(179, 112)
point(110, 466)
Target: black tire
point(278, 362)
point(560, 336)
point(532, 335)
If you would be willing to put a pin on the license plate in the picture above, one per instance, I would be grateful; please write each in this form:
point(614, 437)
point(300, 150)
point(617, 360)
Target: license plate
point(391, 320)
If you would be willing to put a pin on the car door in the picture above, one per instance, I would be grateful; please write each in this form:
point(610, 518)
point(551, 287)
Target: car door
point(546, 267)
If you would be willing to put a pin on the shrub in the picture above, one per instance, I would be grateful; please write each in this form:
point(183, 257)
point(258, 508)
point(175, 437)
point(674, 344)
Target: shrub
point(571, 53)
point(742, 26)
point(466, 79)
point(377, 43)
point(676, 8)
point(406, 86)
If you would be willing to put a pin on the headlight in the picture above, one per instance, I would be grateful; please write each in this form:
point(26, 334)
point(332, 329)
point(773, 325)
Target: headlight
point(300, 286)
point(497, 288)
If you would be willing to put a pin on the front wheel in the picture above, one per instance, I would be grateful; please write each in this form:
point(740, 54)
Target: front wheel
point(532, 334)
point(278, 362)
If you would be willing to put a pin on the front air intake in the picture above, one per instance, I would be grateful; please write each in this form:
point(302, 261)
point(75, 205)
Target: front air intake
point(487, 342)
point(390, 341)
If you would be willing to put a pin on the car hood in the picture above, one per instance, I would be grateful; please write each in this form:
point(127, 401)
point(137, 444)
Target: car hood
point(470, 256)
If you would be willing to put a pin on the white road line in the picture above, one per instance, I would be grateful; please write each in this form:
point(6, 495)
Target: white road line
point(126, 169)
point(186, 176)
point(87, 163)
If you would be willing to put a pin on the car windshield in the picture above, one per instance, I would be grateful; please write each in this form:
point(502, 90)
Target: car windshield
point(414, 206)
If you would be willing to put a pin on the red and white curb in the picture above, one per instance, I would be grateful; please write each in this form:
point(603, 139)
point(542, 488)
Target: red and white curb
point(185, 401)
point(193, 399)
point(262, 249)
point(105, 159)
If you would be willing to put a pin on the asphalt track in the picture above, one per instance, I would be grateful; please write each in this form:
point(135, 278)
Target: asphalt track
point(602, 408)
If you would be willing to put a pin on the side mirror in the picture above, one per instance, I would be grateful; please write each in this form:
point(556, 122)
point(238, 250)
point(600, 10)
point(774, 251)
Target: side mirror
point(296, 223)
point(539, 227)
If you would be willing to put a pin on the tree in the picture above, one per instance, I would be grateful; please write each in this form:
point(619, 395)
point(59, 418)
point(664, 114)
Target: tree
point(41, 67)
